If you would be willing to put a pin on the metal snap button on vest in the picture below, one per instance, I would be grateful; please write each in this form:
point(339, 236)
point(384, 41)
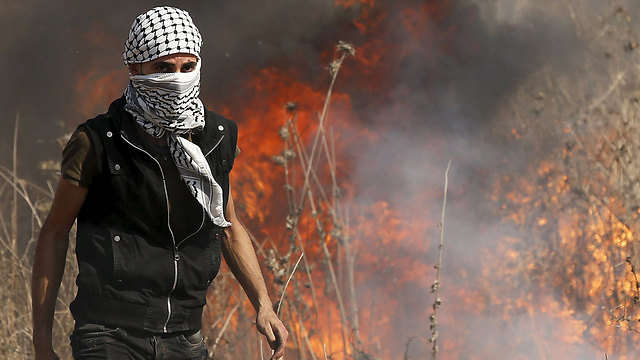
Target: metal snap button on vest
point(109, 134)
point(220, 127)
point(116, 166)
point(116, 238)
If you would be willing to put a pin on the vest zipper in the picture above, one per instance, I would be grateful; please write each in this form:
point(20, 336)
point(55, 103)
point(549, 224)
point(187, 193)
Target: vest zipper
point(204, 215)
point(176, 256)
point(215, 146)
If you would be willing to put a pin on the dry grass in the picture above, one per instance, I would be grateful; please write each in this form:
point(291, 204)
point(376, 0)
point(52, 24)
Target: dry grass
point(318, 222)
point(23, 206)
point(577, 203)
point(597, 138)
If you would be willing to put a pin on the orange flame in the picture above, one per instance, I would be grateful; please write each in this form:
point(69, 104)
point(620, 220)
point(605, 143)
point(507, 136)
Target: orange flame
point(585, 300)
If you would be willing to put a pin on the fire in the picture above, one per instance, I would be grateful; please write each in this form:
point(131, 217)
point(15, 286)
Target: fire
point(363, 20)
point(542, 280)
point(261, 124)
point(105, 86)
point(584, 268)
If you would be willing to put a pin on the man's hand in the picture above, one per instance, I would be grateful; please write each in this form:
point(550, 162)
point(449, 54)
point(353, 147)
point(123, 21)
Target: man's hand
point(274, 330)
point(243, 262)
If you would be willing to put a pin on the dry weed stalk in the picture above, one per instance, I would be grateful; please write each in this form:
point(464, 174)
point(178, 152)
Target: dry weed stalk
point(319, 201)
point(18, 236)
point(224, 327)
point(284, 290)
point(14, 203)
point(435, 287)
point(303, 172)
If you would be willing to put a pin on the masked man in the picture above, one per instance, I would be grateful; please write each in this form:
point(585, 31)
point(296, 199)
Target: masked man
point(149, 185)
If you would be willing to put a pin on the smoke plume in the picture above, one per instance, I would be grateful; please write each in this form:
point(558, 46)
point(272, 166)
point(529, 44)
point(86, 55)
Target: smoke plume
point(433, 80)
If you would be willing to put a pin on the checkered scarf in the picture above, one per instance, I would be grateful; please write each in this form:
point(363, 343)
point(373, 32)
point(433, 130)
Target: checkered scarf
point(168, 104)
point(161, 31)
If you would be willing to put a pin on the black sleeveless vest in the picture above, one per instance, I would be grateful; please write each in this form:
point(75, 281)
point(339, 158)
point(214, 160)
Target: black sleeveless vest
point(133, 273)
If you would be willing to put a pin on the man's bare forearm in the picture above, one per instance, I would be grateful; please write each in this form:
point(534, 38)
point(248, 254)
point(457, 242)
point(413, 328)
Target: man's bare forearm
point(49, 261)
point(48, 267)
point(243, 262)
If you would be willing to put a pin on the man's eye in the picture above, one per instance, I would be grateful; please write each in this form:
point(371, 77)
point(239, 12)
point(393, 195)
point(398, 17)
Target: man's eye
point(188, 67)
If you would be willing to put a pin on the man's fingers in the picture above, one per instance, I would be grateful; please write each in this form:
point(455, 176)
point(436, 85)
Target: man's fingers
point(276, 333)
point(268, 333)
point(278, 345)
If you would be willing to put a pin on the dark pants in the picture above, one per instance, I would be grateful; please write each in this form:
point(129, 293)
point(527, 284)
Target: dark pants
point(97, 342)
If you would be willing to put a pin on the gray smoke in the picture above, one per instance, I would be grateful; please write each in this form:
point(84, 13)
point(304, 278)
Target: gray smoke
point(48, 46)
point(442, 98)
point(448, 100)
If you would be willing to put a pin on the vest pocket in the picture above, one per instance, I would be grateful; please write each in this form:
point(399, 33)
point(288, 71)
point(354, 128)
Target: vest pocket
point(124, 257)
point(141, 267)
point(201, 261)
point(115, 167)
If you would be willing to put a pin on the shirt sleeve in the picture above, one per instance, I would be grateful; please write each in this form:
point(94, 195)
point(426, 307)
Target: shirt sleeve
point(79, 160)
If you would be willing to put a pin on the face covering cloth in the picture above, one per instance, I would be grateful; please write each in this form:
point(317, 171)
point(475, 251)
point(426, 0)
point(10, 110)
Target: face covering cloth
point(167, 104)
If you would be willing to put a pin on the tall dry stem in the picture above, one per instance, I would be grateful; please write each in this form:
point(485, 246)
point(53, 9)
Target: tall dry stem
point(14, 204)
point(313, 193)
point(435, 287)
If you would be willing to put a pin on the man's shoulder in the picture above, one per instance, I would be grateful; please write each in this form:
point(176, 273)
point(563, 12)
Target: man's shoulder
point(218, 130)
point(218, 118)
point(221, 123)
point(108, 120)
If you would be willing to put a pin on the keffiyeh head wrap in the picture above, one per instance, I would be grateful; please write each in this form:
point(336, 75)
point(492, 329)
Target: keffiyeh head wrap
point(167, 103)
point(161, 31)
